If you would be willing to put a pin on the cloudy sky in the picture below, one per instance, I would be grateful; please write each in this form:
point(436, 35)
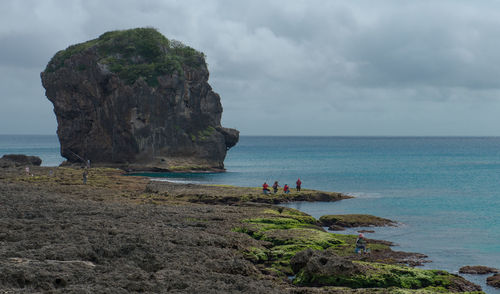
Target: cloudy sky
point(287, 67)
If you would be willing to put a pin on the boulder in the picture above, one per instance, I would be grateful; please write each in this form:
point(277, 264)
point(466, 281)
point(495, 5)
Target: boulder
point(354, 220)
point(494, 281)
point(336, 228)
point(477, 270)
point(312, 265)
point(16, 160)
point(136, 100)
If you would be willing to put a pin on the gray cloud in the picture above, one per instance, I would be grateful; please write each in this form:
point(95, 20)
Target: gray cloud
point(288, 67)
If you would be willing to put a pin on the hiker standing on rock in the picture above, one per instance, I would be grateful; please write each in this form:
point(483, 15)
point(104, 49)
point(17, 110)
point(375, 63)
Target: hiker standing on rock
point(275, 187)
point(298, 183)
point(265, 188)
point(85, 174)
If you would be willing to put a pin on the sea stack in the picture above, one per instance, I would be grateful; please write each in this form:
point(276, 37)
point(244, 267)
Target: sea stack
point(137, 100)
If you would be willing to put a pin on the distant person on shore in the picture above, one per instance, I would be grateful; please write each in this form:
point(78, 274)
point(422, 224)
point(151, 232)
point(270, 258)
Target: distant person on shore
point(85, 174)
point(275, 187)
point(286, 189)
point(265, 188)
point(27, 169)
point(298, 183)
point(361, 244)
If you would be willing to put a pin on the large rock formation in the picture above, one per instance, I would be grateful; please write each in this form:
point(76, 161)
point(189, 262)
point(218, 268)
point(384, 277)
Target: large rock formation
point(137, 100)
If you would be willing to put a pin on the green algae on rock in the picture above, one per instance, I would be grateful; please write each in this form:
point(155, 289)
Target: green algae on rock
point(286, 233)
point(294, 244)
point(325, 268)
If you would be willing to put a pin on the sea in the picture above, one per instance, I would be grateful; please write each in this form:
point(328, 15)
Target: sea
point(444, 192)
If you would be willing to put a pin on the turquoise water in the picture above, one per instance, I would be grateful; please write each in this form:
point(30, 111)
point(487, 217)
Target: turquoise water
point(445, 192)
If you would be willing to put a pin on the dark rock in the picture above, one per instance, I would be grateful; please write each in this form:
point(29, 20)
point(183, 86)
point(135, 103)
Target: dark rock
point(366, 231)
point(477, 270)
point(355, 220)
point(16, 160)
point(494, 281)
point(139, 101)
point(336, 228)
point(323, 263)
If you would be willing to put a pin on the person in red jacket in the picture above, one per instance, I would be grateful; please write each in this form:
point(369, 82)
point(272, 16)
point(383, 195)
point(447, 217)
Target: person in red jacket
point(265, 188)
point(299, 183)
point(286, 189)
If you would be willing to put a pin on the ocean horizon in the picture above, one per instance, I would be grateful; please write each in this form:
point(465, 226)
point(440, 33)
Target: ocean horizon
point(443, 191)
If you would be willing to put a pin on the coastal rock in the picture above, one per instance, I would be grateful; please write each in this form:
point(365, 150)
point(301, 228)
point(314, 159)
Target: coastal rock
point(336, 228)
point(136, 100)
point(16, 160)
point(312, 263)
point(354, 220)
point(325, 268)
point(494, 281)
point(478, 270)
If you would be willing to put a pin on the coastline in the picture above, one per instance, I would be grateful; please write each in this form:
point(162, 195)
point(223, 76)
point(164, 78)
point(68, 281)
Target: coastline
point(222, 219)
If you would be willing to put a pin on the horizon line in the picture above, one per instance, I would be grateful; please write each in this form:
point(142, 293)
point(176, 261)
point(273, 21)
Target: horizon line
point(338, 136)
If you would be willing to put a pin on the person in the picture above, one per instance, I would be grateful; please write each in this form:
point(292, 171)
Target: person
point(85, 174)
point(27, 170)
point(299, 183)
point(275, 187)
point(360, 244)
point(286, 189)
point(265, 188)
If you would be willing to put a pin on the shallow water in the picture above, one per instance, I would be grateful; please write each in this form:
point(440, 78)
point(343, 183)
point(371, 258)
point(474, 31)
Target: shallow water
point(445, 191)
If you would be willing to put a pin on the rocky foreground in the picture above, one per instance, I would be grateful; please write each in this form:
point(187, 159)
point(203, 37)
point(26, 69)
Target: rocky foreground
point(121, 234)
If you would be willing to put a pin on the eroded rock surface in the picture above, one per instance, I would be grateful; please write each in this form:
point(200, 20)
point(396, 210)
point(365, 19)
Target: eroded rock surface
point(137, 100)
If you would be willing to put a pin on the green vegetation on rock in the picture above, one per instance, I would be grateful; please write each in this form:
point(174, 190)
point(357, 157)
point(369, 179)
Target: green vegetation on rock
point(133, 54)
point(284, 233)
point(377, 275)
point(287, 232)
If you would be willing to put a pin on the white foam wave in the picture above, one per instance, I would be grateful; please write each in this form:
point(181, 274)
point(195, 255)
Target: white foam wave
point(365, 195)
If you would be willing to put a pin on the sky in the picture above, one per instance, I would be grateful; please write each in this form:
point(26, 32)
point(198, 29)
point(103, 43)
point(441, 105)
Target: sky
point(287, 67)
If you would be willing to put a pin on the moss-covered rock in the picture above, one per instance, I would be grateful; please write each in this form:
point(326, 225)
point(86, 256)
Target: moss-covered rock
point(285, 233)
point(325, 268)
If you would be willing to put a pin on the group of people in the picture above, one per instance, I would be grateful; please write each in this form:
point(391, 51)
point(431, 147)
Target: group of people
point(286, 188)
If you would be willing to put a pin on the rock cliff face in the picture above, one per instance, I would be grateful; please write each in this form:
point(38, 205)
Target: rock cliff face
point(137, 100)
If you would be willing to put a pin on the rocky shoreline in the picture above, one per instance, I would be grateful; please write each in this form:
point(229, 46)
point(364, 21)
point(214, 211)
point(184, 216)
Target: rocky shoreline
point(121, 234)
